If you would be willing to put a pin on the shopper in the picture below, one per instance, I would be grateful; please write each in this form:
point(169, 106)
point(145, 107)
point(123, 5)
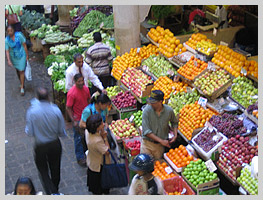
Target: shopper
point(195, 11)
point(98, 57)
point(155, 125)
point(98, 148)
point(78, 98)
point(24, 186)
point(84, 69)
point(17, 54)
point(15, 9)
point(144, 183)
point(44, 121)
point(222, 15)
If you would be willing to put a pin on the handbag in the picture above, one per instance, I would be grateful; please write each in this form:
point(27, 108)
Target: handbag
point(12, 18)
point(113, 175)
point(28, 73)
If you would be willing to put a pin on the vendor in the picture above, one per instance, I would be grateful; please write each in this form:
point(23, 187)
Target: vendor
point(155, 125)
point(222, 15)
point(79, 66)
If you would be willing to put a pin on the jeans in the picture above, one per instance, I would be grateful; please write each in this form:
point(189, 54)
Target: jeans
point(79, 150)
point(47, 159)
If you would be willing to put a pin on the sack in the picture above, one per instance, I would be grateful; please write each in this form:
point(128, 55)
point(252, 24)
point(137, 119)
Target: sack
point(113, 175)
point(28, 74)
point(12, 18)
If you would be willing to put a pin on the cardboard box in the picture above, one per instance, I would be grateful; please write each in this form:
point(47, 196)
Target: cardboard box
point(208, 188)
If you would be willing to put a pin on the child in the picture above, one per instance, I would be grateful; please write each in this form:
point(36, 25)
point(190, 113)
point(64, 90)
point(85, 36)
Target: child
point(144, 183)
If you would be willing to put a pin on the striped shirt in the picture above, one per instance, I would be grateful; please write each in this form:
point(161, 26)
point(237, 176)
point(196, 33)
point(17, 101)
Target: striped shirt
point(98, 56)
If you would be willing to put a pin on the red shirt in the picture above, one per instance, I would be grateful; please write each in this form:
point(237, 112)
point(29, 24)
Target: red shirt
point(194, 13)
point(78, 100)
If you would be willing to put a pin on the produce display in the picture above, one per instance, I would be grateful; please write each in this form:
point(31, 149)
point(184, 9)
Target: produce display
point(159, 170)
point(90, 22)
point(195, 38)
point(148, 50)
point(44, 30)
point(138, 118)
point(211, 81)
point(197, 173)
point(61, 48)
point(168, 87)
point(179, 156)
point(57, 37)
point(33, 20)
point(206, 47)
point(182, 58)
point(124, 100)
point(169, 45)
point(177, 186)
point(113, 91)
point(52, 59)
point(235, 151)
point(192, 68)
point(57, 73)
point(123, 129)
point(229, 60)
point(136, 81)
point(228, 124)
point(252, 68)
point(127, 60)
point(180, 99)
point(253, 109)
point(108, 22)
point(133, 146)
point(191, 117)
point(248, 181)
point(244, 92)
point(205, 140)
point(159, 66)
point(73, 12)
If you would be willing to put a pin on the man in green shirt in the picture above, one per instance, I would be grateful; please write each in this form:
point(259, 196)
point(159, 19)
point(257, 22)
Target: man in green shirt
point(155, 125)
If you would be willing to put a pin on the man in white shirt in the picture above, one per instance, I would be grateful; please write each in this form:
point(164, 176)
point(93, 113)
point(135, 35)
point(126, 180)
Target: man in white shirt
point(222, 14)
point(79, 66)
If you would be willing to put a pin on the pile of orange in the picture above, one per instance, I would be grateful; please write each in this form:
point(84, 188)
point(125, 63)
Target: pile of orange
point(251, 67)
point(127, 60)
point(169, 45)
point(148, 50)
point(192, 68)
point(159, 170)
point(229, 60)
point(179, 156)
point(191, 117)
point(174, 193)
point(195, 38)
point(167, 86)
point(255, 113)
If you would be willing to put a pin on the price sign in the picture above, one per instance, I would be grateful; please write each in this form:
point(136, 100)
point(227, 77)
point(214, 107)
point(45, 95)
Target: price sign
point(145, 68)
point(176, 78)
point(214, 32)
point(202, 101)
point(210, 165)
point(221, 101)
point(223, 43)
point(209, 126)
point(189, 90)
point(195, 62)
point(243, 71)
point(170, 72)
point(131, 118)
point(168, 170)
point(255, 97)
point(211, 66)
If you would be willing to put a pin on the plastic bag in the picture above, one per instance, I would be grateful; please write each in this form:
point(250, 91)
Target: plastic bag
point(28, 74)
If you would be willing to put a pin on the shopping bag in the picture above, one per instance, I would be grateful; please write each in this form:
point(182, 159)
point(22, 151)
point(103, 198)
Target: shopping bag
point(28, 74)
point(113, 175)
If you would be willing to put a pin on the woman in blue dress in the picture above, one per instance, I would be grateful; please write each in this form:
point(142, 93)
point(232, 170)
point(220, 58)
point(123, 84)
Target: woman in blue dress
point(17, 54)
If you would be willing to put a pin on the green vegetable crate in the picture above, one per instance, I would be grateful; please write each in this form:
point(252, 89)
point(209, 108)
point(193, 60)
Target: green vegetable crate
point(208, 188)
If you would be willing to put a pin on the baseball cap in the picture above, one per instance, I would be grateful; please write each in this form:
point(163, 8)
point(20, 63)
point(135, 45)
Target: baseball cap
point(156, 95)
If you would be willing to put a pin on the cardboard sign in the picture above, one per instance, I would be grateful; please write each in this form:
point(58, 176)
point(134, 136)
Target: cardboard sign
point(210, 165)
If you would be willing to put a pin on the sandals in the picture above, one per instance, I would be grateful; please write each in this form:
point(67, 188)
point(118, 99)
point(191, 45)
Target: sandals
point(22, 91)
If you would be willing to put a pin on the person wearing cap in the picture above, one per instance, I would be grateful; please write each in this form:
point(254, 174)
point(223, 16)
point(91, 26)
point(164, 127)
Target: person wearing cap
point(155, 125)
point(144, 183)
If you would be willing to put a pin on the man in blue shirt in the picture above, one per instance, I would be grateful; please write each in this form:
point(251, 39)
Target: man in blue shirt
point(44, 121)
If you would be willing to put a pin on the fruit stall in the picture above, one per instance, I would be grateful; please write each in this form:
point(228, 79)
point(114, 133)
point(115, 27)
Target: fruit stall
point(212, 89)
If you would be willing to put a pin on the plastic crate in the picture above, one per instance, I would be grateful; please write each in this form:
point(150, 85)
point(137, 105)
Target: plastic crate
point(176, 184)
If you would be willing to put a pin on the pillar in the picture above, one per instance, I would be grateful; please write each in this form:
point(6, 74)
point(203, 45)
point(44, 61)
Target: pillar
point(63, 15)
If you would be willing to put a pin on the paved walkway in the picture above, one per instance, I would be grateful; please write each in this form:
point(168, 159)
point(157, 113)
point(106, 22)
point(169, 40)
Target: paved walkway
point(19, 160)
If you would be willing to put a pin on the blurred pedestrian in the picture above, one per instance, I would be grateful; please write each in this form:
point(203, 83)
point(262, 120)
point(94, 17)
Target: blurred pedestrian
point(98, 57)
point(77, 99)
point(98, 148)
point(45, 122)
point(51, 12)
point(15, 9)
point(17, 54)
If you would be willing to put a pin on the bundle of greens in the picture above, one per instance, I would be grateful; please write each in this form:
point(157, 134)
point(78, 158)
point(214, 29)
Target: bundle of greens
point(108, 22)
point(44, 30)
point(53, 58)
point(90, 22)
point(33, 20)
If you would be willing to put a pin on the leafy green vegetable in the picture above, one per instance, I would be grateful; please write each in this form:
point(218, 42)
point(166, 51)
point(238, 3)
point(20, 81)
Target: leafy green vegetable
point(160, 11)
point(108, 22)
point(53, 58)
point(91, 21)
point(33, 20)
point(73, 12)
point(56, 37)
